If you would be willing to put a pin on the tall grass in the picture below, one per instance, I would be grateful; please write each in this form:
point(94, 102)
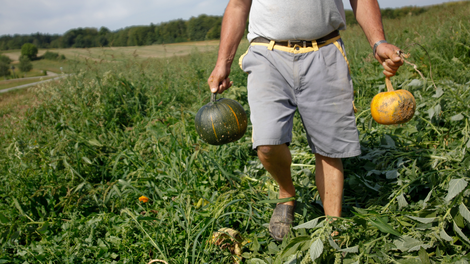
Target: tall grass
point(73, 167)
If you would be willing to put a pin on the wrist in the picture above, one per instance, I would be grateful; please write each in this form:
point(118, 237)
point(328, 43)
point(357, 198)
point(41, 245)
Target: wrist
point(374, 49)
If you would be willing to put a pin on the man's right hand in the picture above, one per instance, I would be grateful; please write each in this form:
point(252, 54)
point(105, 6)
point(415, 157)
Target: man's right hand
point(233, 28)
point(219, 80)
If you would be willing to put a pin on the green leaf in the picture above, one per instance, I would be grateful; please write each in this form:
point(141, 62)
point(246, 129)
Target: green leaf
point(354, 249)
point(309, 225)
point(392, 174)
point(255, 245)
point(316, 249)
point(455, 187)
point(3, 219)
point(425, 201)
point(361, 211)
point(18, 206)
point(457, 117)
point(390, 141)
point(464, 212)
point(294, 243)
point(255, 261)
point(409, 244)
point(86, 160)
point(415, 83)
point(290, 249)
point(146, 218)
point(384, 227)
point(333, 243)
point(445, 236)
point(283, 200)
point(95, 143)
point(44, 228)
point(273, 248)
point(401, 201)
point(439, 92)
point(422, 220)
point(423, 255)
point(460, 233)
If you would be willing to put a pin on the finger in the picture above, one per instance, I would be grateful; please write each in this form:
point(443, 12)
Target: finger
point(388, 73)
point(225, 84)
point(213, 84)
point(389, 65)
point(390, 69)
point(396, 59)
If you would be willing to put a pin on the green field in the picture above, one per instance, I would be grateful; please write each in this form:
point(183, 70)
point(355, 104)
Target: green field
point(108, 54)
point(76, 156)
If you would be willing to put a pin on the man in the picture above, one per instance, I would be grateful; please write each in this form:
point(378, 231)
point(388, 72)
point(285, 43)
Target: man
point(296, 61)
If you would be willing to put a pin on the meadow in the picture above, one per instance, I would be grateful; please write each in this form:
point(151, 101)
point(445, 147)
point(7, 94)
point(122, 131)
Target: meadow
point(77, 154)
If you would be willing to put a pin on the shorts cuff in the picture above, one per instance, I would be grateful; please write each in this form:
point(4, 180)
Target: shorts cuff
point(270, 143)
point(338, 155)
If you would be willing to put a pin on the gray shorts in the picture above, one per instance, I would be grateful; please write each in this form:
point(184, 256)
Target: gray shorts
point(316, 82)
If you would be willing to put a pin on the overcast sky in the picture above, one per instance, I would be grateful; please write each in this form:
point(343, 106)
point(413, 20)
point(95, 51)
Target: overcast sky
point(58, 16)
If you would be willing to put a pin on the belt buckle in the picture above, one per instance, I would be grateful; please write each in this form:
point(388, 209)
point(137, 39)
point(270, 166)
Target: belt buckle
point(290, 42)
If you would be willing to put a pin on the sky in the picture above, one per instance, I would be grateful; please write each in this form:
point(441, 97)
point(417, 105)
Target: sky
point(58, 16)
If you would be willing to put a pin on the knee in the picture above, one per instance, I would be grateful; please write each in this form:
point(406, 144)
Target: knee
point(273, 151)
point(266, 151)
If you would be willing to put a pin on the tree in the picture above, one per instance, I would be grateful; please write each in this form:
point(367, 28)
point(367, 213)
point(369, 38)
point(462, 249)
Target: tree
point(5, 59)
point(4, 69)
point(4, 65)
point(25, 64)
point(29, 50)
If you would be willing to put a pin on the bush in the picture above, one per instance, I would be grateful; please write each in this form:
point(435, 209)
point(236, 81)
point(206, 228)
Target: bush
point(4, 69)
point(5, 59)
point(50, 55)
point(29, 50)
point(25, 64)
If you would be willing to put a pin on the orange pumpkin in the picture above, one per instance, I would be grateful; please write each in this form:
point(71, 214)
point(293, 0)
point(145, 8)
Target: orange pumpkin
point(393, 107)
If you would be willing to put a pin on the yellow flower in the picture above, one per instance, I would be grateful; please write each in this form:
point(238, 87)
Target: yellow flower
point(143, 199)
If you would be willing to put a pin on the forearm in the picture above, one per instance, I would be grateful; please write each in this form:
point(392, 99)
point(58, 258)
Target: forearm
point(368, 16)
point(367, 13)
point(233, 29)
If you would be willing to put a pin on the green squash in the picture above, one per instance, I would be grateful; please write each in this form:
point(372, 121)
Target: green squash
point(221, 121)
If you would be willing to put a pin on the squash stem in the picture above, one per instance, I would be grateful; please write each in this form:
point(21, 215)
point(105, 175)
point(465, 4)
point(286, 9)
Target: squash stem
point(213, 97)
point(389, 84)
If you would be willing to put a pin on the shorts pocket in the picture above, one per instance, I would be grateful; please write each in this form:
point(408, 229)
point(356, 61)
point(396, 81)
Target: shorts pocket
point(240, 60)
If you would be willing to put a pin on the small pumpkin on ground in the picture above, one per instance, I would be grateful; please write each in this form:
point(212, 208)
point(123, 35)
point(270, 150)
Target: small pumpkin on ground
point(393, 107)
point(221, 121)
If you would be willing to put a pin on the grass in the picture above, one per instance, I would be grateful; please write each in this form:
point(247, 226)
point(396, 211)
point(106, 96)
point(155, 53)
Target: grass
point(125, 53)
point(76, 162)
point(15, 103)
point(17, 82)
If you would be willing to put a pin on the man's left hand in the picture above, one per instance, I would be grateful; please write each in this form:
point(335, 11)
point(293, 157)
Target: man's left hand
point(388, 55)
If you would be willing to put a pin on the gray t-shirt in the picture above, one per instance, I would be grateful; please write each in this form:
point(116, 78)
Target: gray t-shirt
point(295, 19)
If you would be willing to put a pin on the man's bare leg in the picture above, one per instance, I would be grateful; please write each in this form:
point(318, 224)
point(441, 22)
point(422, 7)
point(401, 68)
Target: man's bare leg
point(330, 180)
point(277, 159)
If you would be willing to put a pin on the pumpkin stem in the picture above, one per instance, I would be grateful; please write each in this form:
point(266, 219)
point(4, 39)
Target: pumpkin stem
point(389, 84)
point(213, 97)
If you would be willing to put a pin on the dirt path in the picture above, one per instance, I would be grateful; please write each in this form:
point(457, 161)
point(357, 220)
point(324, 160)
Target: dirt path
point(35, 83)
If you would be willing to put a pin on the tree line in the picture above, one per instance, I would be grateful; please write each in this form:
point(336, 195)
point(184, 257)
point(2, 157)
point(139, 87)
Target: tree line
point(203, 27)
